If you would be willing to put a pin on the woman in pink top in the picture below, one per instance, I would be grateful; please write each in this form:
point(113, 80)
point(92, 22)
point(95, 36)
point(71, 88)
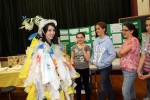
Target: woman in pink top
point(130, 55)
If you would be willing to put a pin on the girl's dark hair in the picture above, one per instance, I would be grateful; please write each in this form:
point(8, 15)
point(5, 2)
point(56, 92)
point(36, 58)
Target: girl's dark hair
point(131, 26)
point(82, 33)
point(103, 26)
point(45, 29)
point(148, 18)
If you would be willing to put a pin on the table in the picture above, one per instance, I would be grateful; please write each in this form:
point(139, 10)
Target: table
point(10, 78)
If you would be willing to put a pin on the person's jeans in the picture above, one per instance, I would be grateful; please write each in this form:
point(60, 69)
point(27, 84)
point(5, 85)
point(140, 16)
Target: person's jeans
point(148, 85)
point(105, 83)
point(128, 85)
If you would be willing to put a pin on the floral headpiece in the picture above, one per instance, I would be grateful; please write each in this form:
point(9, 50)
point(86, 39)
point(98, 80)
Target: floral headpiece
point(28, 23)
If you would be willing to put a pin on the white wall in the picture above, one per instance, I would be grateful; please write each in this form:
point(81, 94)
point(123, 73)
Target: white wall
point(143, 7)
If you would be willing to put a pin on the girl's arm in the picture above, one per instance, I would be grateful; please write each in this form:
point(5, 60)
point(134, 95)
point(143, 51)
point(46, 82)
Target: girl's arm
point(142, 59)
point(72, 58)
point(124, 50)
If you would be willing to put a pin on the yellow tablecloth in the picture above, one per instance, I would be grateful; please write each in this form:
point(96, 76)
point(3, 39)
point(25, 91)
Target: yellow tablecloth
point(10, 78)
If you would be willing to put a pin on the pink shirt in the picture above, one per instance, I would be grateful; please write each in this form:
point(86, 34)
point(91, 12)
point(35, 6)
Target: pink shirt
point(130, 60)
point(146, 66)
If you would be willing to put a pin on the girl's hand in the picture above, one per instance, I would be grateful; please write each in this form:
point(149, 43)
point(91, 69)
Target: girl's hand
point(140, 75)
point(83, 47)
point(143, 77)
point(67, 64)
point(73, 65)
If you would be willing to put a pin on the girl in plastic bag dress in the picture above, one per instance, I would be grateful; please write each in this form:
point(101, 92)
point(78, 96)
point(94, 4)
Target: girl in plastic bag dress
point(46, 72)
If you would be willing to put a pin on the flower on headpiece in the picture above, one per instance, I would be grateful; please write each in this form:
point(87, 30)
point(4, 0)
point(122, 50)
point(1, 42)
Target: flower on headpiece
point(37, 20)
point(27, 24)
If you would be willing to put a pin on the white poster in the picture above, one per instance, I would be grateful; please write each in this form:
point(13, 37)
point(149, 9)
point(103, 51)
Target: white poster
point(116, 38)
point(87, 38)
point(73, 39)
point(73, 31)
point(84, 30)
point(92, 28)
point(114, 28)
point(64, 37)
point(63, 32)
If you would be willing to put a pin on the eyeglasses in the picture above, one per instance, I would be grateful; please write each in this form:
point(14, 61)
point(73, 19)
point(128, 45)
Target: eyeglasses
point(125, 30)
point(79, 37)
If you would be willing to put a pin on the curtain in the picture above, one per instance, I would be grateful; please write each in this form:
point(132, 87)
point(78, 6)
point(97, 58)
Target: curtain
point(68, 13)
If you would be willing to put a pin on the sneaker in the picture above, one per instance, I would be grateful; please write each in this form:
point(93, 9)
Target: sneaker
point(146, 98)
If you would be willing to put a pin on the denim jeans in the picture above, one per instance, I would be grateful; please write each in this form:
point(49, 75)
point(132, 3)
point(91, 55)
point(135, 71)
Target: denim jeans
point(105, 83)
point(128, 85)
point(148, 85)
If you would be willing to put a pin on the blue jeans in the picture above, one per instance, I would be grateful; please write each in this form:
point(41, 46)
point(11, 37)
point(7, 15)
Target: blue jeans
point(105, 83)
point(148, 85)
point(128, 85)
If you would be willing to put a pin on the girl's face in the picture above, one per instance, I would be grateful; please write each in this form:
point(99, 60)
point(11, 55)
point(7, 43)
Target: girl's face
point(148, 26)
point(100, 31)
point(50, 33)
point(126, 32)
point(80, 38)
